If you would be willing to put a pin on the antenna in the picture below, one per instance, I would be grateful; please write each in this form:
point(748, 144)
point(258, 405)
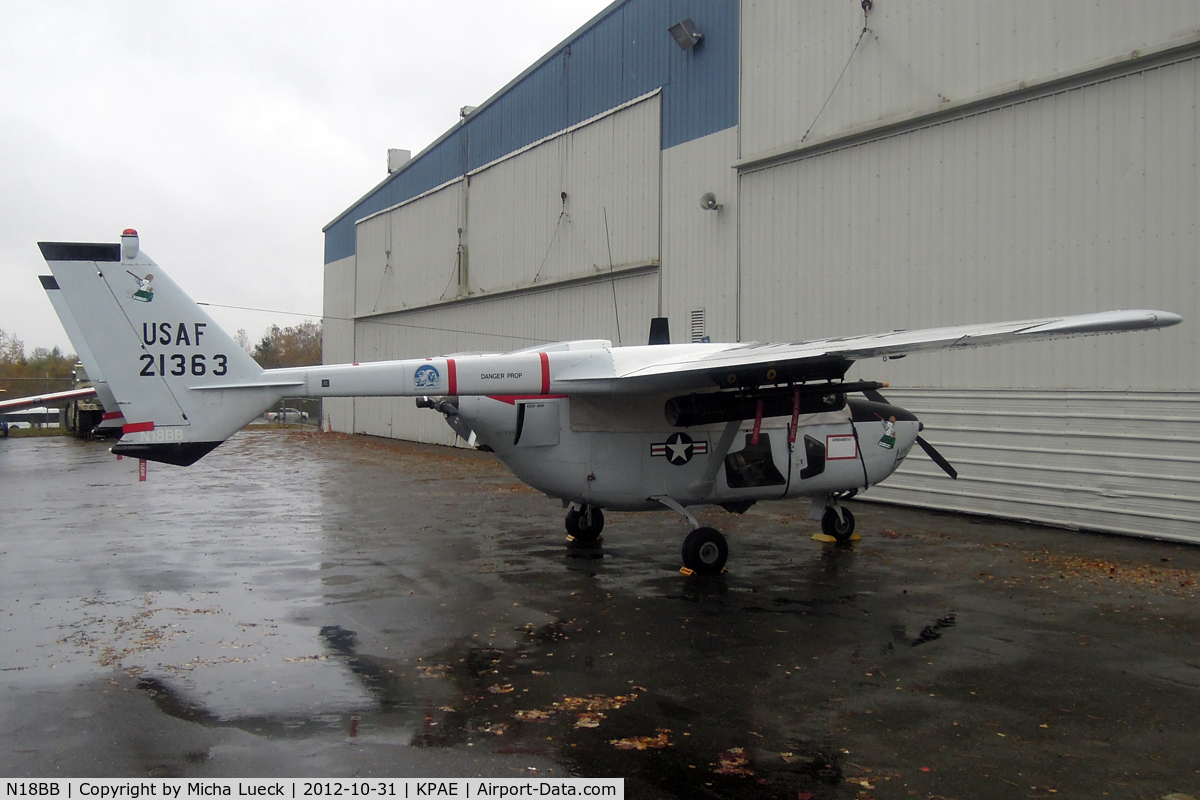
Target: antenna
point(612, 278)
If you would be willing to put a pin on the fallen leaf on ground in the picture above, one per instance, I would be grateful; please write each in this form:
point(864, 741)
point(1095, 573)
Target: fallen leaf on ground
point(643, 742)
point(595, 702)
point(534, 715)
point(733, 762)
point(434, 671)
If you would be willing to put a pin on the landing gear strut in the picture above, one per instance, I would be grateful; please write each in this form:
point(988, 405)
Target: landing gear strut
point(585, 523)
point(705, 550)
point(838, 522)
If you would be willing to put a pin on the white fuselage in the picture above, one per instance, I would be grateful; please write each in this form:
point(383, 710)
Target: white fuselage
point(618, 452)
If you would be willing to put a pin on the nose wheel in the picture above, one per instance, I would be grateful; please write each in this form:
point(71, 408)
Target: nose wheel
point(705, 551)
point(585, 523)
point(838, 522)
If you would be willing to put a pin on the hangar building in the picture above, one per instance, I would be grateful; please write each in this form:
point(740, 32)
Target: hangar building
point(911, 165)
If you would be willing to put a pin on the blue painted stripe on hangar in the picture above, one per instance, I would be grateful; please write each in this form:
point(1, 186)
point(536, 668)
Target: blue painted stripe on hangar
point(624, 53)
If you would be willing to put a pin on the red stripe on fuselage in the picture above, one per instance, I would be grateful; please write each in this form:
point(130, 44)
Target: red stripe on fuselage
point(452, 376)
point(545, 373)
point(137, 427)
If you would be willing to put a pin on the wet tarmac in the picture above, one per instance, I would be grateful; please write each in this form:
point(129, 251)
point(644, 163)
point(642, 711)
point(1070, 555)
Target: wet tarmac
point(299, 604)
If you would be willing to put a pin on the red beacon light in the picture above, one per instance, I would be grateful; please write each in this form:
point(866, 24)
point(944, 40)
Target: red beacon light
point(129, 244)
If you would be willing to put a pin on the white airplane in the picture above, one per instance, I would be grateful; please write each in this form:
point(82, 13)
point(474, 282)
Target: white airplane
point(596, 426)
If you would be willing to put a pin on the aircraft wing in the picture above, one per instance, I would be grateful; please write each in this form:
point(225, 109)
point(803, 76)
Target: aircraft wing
point(33, 401)
point(744, 364)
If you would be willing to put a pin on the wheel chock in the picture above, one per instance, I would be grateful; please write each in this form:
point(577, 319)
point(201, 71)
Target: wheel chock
point(825, 537)
point(686, 571)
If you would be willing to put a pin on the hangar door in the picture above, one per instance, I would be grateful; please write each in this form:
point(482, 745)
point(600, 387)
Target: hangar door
point(1079, 200)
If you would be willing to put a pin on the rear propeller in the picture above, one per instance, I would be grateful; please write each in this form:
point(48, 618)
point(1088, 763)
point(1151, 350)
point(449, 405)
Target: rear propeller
point(929, 449)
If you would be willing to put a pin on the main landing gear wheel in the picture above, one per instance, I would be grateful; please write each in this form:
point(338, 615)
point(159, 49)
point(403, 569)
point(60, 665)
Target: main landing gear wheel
point(839, 528)
point(585, 523)
point(705, 551)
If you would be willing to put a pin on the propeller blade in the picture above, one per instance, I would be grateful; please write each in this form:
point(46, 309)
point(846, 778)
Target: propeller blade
point(875, 397)
point(937, 458)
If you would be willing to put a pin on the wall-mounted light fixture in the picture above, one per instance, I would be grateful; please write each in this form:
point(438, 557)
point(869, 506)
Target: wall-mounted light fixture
point(686, 35)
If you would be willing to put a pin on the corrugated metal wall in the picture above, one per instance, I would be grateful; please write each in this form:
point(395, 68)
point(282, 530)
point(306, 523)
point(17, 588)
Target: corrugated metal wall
point(521, 229)
point(408, 257)
point(1079, 199)
point(919, 55)
point(551, 212)
point(337, 335)
point(699, 246)
point(1127, 462)
point(1083, 200)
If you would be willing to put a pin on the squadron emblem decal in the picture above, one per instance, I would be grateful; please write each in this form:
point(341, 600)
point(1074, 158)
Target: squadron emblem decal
point(145, 291)
point(888, 440)
point(679, 449)
point(426, 377)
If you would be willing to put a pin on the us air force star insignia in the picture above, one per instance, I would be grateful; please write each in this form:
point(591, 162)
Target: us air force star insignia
point(679, 448)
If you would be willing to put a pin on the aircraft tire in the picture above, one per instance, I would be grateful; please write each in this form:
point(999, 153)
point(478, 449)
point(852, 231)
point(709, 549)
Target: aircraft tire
point(705, 551)
point(839, 528)
point(585, 524)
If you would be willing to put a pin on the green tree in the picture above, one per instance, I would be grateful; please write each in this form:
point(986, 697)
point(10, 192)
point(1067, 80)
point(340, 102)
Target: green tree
point(298, 346)
point(42, 371)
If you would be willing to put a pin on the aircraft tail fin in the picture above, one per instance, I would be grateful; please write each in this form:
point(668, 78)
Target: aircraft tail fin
point(112, 410)
point(156, 348)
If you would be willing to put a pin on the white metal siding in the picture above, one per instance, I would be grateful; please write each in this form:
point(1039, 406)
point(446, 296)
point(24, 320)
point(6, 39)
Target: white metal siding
point(699, 246)
point(520, 229)
point(407, 257)
point(1081, 200)
point(918, 55)
point(337, 335)
point(1126, 462)
point(1084, 200)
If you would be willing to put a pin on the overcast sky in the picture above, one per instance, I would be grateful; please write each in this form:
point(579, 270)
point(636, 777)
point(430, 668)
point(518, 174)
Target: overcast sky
point(229, 133)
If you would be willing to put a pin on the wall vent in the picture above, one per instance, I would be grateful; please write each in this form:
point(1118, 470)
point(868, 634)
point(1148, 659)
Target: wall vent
point(698, 334)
